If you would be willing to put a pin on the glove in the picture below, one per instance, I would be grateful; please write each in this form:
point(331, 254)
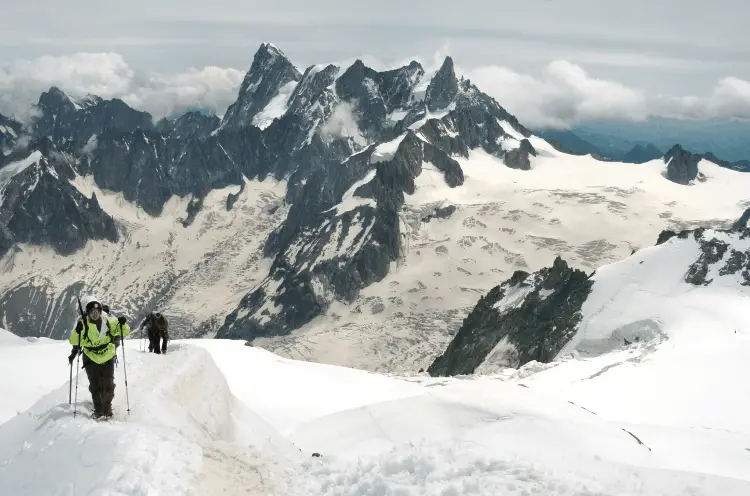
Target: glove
point(121, 320)
point(72, 356)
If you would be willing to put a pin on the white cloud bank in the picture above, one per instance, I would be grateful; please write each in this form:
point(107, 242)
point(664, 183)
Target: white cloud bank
point(109, 76)
point(565, 94)
point(562, 95)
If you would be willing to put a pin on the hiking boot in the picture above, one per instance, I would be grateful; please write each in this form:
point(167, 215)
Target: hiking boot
point(96, 415)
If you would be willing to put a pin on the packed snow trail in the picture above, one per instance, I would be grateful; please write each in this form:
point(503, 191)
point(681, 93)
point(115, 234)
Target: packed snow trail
point(183, 436)
point(217, 417)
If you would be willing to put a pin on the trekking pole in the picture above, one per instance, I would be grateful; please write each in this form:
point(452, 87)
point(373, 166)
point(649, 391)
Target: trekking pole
point(125, 368)
point(75, 405)
point(78, 358)
point(70, 385)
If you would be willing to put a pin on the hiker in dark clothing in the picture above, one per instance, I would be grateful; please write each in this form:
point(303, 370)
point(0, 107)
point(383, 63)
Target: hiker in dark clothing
point(98, 341)
point(156, 324)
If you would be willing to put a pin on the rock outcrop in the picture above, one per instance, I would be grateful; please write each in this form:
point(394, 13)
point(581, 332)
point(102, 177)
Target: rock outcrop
point(529, 317)
point(682, 166)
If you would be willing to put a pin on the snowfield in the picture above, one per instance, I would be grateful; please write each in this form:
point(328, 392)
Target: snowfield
point(588, 212)
point(217, 417)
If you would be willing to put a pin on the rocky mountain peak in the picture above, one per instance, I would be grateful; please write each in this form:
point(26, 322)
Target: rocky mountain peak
point(682, 166)
point(641, 154)
point(270, 71)
point(41, 207)
point(64, 120)
point(190, 125)
point(55, 98)
point(443, 87)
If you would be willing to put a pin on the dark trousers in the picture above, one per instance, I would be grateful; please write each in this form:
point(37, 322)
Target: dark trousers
point(154, 340)
point(101, 385)
point(153, 344)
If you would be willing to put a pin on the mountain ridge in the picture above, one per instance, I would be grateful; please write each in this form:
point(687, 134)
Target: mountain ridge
point(346, 173)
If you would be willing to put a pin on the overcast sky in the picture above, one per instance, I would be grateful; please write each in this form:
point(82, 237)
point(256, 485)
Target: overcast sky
point(552, 62)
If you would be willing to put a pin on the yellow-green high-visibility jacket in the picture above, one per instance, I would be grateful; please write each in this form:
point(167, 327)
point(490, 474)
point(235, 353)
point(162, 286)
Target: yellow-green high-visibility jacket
point(99, 345)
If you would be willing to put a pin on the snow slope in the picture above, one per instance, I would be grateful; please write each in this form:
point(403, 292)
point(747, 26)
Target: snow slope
point(217, 417)
point(586, 211)
point(15, 352)
point(186, 434)
point(650, 291)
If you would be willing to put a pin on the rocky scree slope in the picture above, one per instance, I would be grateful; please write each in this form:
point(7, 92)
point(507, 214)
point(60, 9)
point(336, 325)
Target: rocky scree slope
point(534, 317)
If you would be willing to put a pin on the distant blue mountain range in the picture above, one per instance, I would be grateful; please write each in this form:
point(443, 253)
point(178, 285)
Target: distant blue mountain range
point(642, 141)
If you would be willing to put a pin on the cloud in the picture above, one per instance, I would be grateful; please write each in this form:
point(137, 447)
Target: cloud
point(565, 94)
point(729, 98)
point(108, 75)
point(342, 123)
point(561, 95)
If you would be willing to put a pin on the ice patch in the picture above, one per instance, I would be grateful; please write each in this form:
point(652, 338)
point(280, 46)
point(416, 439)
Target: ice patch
point(508, 144)
point(396, 116)
point(510, 131)
point(8, 130)
point(350, 202)
point(438, 114)
point(276, 108)
point(420, 89)
point(11, 170)
point(386, 151)
point(514, 297)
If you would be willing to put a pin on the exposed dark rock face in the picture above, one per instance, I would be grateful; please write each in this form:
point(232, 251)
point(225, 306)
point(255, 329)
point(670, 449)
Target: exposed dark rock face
point(63, 120)
point(666, 235)
point(440, 213)
point(743, 220)
point(519, 158)
point(719, 257)
point(530, 317)
point(682, 166)
point(443, 88)
point(269, 72)
point(189, 126)
point(194, 206)
point(233, 197)
point(41, 209)
point(712, 251)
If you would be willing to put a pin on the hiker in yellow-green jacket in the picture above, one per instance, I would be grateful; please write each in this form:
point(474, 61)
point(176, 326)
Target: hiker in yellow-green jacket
point(98, 342)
